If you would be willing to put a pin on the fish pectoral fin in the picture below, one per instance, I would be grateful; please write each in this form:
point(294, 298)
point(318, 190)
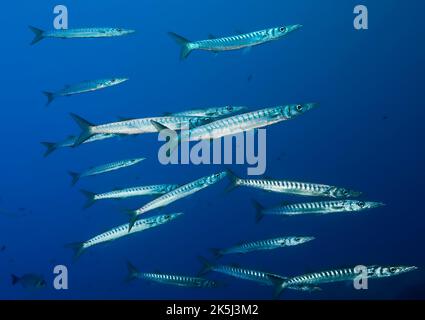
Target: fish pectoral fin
point(212, 37)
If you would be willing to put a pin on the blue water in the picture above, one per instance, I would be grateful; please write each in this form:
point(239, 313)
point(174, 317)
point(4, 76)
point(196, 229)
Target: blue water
point(367, 134)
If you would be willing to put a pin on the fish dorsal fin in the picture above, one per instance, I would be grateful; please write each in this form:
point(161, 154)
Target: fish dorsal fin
point(239, 32)
point(71, 136)
point(116, 188)
point(235, 265)
point(157, 271)
point(212, 37)
point(124, 118)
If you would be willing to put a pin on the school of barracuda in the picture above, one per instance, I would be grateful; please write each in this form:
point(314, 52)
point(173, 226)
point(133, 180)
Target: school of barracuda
point(207, 124)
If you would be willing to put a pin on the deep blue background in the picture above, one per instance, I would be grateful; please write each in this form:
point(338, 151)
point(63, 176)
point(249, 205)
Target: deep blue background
point(367, 134)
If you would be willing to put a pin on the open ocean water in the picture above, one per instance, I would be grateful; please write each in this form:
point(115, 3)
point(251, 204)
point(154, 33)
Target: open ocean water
point(367, 134)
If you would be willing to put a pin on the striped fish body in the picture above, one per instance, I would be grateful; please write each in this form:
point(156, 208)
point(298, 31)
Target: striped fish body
point(244, 122)
point(246, 274)
point(268, 244)
point(235, 42)
point(214, 112)
point(86, 33)
point(111, 167)
point(177, 280)
point(122, 231)
point(181, 192)
point(70, 141)
point(297, 188)
point(88, 86)
point(322, 207)
point(323, 277)
point(136, 192)
point(144, 125)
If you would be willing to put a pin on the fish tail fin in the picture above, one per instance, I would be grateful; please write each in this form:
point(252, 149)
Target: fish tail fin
point(173, 141)
point(133, 219)
point(132, 272)
point(184, 43)
point(234, 179)
point(259, 215)
point(38, 34)
point(50, 147)
point(206, 266)
point(86, 129)
point(217, 253)
point(77, 247)
point(15, 279)
point(279, 285)
point(50, 97)
point(90, 198)
point(75, 177)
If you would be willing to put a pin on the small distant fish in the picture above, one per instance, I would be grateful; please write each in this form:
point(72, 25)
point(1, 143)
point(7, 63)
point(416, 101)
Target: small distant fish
point(170, 279)
point(292, 187)
point(29, 281)
point(70, 142)
point(2, 248)
point(320, 208)
point(237, 124)
point(78, 33)
point(83, 87)
point(104, 168)
point(250, 78)
point(122, 231)
point(215, 112)
point(268, 244)
point(234, 42)
point(134, 126)
point(128, 192)
point(176, 194)
point(347, 274)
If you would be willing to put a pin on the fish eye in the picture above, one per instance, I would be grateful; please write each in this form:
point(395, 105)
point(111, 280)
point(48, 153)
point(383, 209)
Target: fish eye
point(361, 204)
point(119, 30)
point(229, 108)
point(393, 269)
point(299, 107)
point(282, 29)
point(297, 239)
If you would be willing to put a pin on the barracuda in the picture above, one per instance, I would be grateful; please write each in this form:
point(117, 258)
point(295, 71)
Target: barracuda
point(104, 168)
point(347, 274)
point(236, 124)
point(170, 279)
point(234, 42)
point(320, 208)
point(241, 273)
point(268, 244)
point(122, 231)
point(292, 187)
point(78, 33)
point(70, 142)
point(128, 193)
point(177, 194)
point(83, 87)
point(216, 112)
point(134, 126)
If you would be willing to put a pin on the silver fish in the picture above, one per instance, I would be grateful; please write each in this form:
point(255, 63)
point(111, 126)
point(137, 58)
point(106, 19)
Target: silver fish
point(170, 279)
point(122, 231)
point(104, 168)
point(347, 274)
point(236, 124)
point(234, 42)
point(214, 112)
point(265, 278)
point(78, 33)
point(268, 244)
point(70, 142)
point(320, 208)
point(177, 194)
point(293, 187)
point(83, 87)
point(128, 193)
point(134, 126)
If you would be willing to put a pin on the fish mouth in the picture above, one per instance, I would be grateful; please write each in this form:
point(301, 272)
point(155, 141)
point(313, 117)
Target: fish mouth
point(376, 204)
point(309, 106)
point(294, 27)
